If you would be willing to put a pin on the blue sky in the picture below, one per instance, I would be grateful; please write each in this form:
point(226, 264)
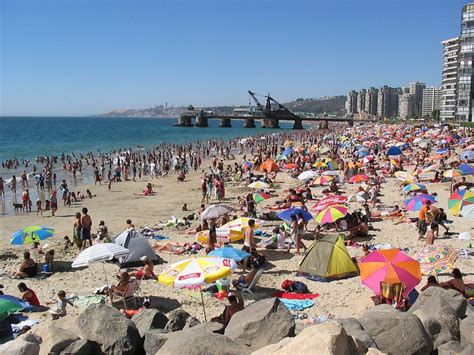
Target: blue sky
point(80, 57)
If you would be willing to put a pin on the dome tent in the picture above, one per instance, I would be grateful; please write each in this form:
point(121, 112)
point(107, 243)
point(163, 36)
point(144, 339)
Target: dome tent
point(138, 247)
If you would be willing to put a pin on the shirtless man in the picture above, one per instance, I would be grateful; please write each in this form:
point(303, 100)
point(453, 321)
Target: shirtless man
point(236, 305)
point(147, 271)
point(249, 241)
point(86, 227)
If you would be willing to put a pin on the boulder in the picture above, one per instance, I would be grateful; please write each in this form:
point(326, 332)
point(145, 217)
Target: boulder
point(55, 339)
point(374, 351)
point(439, 319)
point(154, 340)
point(273, 348)
point(192, 322)
point(177, 320)
point(27, 344)
point(264, 322)
point(396, 332)
point(355, 330)
point(81, 347)
point(467, 331)
point(324, 338)
point(148, 319)
point(212, 327)
point(194, 341)
point(115, 333)
point(457, 302)
point(449, 348)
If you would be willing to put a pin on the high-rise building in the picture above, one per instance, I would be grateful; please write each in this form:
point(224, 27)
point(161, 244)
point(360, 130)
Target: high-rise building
point(449, 78)
point(351, 102)
point(387, 102)
point(465, 83)
point(361, 104)
point(406, 105)
point(416, 89)
point(431, 101)
point(371, 97)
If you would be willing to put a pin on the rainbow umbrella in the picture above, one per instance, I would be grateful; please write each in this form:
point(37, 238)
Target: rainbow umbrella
point(332, 165)
point(404, 176)
point(390, 266)
point(321, 180)
point(416, 202)
point(459, 199)
point(320, 165)
point(414, 187)
point(331, 214)
point(452, 173)
point(10, 305)
point(260, 196)
point(466, 169)
point(434, 259)
point(247, 165)
point(358, 178)
point(30, 235)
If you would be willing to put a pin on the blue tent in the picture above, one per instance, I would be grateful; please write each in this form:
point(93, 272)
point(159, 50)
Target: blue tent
point(394, 150)
point(285, 215)
point(467, 155)
point(287, 151)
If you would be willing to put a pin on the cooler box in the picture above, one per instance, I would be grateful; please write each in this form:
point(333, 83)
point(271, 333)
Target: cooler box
point(223, 284)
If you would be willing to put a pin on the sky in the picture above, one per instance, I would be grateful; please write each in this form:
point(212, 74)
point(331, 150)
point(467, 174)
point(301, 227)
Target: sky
point(83, 57)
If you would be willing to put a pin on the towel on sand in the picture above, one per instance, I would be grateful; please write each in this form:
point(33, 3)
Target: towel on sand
point(297, 305)
point(295, 296)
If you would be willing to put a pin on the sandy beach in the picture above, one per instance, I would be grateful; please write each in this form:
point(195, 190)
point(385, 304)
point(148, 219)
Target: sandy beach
point(341, 298)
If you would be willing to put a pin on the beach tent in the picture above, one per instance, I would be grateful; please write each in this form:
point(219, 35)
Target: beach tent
point(394, 150)
point(268, 166)
point(138, 246)
point(328, 259)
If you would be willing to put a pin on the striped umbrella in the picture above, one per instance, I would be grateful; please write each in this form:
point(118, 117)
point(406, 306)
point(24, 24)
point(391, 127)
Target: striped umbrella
point(331, 214)
point(100, 252)
point(322, 180)
point(416, 202)
point(468, 211)
point(215, 211)
point(414, 187)
point(358, 178)
point(390, 266)
point(260, 196)
point(247, 165)
point(452, 173)
point(30, 235)
point(459, 199)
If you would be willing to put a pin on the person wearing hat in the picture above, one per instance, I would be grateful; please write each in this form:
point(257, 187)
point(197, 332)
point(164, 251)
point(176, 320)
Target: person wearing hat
point(147, 271)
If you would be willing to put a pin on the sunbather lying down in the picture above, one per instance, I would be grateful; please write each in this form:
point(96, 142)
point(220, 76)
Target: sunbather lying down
point(394, 212)
point(178, 248)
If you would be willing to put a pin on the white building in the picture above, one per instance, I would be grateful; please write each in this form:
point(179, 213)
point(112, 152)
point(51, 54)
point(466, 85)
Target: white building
point(431, 101)
point(406, 106)
point(449, 78)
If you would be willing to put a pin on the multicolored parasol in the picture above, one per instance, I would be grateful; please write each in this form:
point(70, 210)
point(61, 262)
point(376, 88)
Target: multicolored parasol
point(331, 214)
point(416, 202)
point(358, 178)
point(30, 235)
point(260, 196)
point(459, 199)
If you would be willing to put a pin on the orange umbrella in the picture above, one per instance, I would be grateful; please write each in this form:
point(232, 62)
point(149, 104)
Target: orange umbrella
point(268, 166)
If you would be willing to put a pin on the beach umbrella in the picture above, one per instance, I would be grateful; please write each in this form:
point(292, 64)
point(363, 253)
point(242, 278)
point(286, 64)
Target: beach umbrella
point(291, 166)
point(390, 266)
point(30, 235)
point(468, 211)
point(260, 196)
point(331, 214)
point(100, 252)
point(459, 199)
point(247, 165)
point(259, 185)
point(11, 304)
point(306, 175)
point(414, 187)
point(320, 165)
point(358, 198)
point(452, 173)
point(215, 211)
point(324, 179)
point(466, 169)
point(416, 202)
point(324, 149)
point(467, 155)
point(286, 214)
point(268, 166)
point(287, 151)
point(394, 150)
point(229, 252)
point(435, 259)
point(367, 159)
point(328, 201)
point(358, 178)
point(404, 176)
point(194, 273)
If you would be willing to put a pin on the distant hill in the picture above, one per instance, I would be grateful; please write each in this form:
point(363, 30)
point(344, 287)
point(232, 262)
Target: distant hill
point(333, 104)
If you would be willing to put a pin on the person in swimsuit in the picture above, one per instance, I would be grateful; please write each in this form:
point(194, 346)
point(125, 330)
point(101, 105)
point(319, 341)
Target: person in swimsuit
point(147, 271)
point(28, 295)
point(86, 226)
point(28, 267)
point(456, 283)
point(236, 305)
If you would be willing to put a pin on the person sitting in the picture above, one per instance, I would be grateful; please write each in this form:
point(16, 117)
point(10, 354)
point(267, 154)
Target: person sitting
point(28, 295)
point(244, 281)
point(28, 267)
point(103, 232)
point(236, 305)
point(149, 190)
point(456, 283)
point(67, 243)
point(430, 282)
point(49, 260)
point(147, 271)
point(60, 306)
point(276, 241)
point(121, 287)
point(185, 207)
point(37, 247)
point(181, 176)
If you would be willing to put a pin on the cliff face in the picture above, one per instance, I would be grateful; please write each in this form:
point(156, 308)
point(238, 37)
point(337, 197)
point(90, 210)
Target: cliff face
point(332, 104)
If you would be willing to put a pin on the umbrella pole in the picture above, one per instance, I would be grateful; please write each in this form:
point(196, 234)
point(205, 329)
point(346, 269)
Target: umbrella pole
point(203, 307)
point(105, 275)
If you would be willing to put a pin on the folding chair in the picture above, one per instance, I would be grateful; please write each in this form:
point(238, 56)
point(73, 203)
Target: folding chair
point(254, 282)
point(130, 293)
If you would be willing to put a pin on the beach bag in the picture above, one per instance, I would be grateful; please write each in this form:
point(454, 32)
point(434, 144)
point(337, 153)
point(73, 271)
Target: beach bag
point(300, 287)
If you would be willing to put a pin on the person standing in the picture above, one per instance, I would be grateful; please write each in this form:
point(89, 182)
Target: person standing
point(86, 227)
point(53, 197)
point(422, 225)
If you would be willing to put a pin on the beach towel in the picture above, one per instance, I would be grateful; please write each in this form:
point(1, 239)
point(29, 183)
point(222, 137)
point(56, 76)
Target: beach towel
point(160, 237)
point(24, 322)
point(85, 301)
point(297, 305)
point(295, 296)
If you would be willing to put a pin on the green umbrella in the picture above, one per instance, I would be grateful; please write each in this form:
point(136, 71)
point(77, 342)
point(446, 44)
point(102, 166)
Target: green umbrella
point(31, 234)
point(10, 304)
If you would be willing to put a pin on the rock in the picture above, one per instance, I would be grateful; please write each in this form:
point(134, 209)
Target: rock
point(154, 340)
point(354, 329)
point(457, 302)
point(272, 348)
point(23, 345)
point(374, 351)
point(115, 333)
point(467, 331)
point(192, 322)
point(449, 348)
point(56, 340)
point(81, 347)
point(177, 320)
point(148, 319)
point(264, 322)
point(324, 338)
point(194, 341)
point(396, 332)
point(212, 327)
point(439, 319)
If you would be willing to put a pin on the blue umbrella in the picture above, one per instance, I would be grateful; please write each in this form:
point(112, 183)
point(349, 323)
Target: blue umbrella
point(285, 215)
point(442, 150)
point(30, 235)
point(287, 151)
point(467, 155)
point(394, 150)
point(466, 169)
point(229, 252)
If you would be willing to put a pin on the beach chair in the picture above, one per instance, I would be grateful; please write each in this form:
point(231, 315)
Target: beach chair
point(132, 292)
point(254, 282)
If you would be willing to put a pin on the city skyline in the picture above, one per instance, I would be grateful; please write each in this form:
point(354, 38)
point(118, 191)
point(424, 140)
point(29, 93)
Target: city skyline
point(82, 58)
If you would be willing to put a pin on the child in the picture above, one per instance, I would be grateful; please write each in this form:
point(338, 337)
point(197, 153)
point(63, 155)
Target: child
point(67, 243)
point(39, 209)
point(60, 309)
point(103, 232)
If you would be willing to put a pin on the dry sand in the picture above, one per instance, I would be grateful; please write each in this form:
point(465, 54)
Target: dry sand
point(341, 298)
